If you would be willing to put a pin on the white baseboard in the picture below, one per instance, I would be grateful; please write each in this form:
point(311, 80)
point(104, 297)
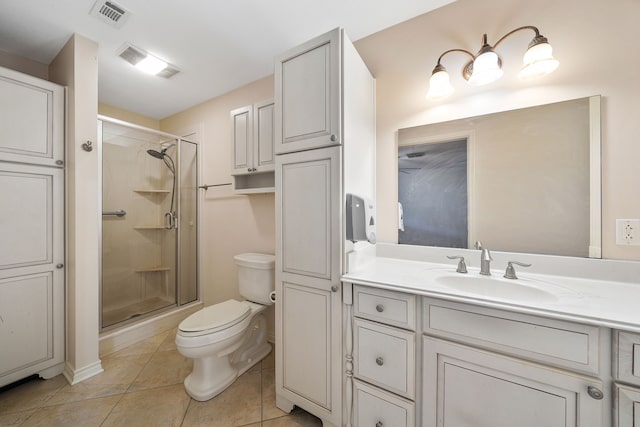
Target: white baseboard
point(74, 376)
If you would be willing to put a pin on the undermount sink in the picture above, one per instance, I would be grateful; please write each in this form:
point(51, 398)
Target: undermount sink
point(496, 287)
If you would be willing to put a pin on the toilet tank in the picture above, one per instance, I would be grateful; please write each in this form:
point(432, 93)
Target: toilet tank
point(256, 276)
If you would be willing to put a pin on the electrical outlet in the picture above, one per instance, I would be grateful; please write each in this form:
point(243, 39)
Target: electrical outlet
point(628, 232)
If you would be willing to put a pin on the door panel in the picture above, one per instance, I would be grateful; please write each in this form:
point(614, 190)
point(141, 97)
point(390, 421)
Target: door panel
point(31, 119)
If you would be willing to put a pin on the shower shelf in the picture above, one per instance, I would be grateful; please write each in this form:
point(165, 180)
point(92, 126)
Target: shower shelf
point(152, 269)
point(149, 227)
point(152, 191)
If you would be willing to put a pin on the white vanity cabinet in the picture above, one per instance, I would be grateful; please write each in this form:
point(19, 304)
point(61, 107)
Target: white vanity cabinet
point(253, 157)
point(626, 369)
point(384, 358)
point(487, 367)
point(325, 148)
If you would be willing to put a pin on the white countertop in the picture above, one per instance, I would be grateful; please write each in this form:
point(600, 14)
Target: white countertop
point(608, 303)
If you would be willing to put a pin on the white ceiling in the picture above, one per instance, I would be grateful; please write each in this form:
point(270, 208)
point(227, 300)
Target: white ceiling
point(218, 46)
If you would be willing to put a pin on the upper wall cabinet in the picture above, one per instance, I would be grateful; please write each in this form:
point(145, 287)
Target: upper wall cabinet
point(253, 160)
point(31, 120)
point(308, 95)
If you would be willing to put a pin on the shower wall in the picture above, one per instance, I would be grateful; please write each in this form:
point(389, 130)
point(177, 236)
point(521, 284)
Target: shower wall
point(139, 258)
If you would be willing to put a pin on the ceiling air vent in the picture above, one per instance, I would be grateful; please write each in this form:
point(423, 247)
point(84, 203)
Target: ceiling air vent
point(110, 13)
point(133, 55)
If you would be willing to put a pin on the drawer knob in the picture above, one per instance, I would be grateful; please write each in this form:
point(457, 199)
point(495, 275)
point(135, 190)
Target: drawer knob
point(334, 138)
point(595, 392)
point(334, 288)
point(379, 424)
point(379, 308)
point(379, 361)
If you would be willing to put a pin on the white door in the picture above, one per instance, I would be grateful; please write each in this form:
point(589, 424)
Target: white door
point(308, 307)
point(307, 95)
point(31, 119)
point(263, 155)
point(31, 270)
point(242, 137)
point(465, 387)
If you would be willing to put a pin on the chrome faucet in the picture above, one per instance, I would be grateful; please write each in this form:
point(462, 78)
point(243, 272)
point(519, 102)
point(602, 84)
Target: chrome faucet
point(485, 259)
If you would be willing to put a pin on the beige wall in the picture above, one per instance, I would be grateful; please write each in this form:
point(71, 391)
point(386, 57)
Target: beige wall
point(24, 65)
point(594, 40)
point(230, 224)
point(76, 67)
point(127, 116)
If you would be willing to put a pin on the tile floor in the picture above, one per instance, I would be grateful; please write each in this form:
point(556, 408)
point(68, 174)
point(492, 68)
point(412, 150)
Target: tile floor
point(142, 386)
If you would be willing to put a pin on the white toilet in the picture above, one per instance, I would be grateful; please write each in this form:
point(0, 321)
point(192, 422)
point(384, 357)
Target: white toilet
point(226, 339)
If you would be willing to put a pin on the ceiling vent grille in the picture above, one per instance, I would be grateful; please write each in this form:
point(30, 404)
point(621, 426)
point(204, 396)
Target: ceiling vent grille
point(133, 55)
point(110, 13)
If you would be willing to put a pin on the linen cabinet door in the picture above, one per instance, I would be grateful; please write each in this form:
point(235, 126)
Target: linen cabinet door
point(307, 95)
point(308, 213)
point(465, 387)
point(242, 138)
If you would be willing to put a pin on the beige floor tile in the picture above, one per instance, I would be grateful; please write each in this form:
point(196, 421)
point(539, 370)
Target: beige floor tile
point(303, 419)
point(148, 346)
point(238, 405)
point(269, 362)
point(15, 418)
point(88, 413)
point(83, 391)
point(169, 342)
point(163, 369)
point(30, 395)
point(159, 407)
point(120, 370)
point(269, 409)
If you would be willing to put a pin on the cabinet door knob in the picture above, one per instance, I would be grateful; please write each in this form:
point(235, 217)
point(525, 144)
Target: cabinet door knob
point(334, 138)
point(595, 392)
point(334, 288)
point(379, 424)
point(379, 308)
point(59, 266)
point(379, 361)
point(248, 169)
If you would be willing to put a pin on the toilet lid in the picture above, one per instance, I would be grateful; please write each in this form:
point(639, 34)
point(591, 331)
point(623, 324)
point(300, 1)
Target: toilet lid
point(216, 317)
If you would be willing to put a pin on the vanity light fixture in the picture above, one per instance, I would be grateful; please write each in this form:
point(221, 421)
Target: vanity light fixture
point(486, 66)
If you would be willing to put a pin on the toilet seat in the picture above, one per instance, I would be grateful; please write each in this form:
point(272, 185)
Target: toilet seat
point(215, 318)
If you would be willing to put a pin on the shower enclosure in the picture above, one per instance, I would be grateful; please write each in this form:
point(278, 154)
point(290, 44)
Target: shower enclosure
point(149, 222)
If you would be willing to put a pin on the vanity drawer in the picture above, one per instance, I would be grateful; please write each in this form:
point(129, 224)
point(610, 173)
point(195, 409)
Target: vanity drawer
point(375, 407)
point(390, 307)
point(554, 342)
point(626, 357)
point(384, 356)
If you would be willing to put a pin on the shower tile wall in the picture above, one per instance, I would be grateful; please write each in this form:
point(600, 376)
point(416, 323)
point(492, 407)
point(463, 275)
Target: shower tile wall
point(127, 169)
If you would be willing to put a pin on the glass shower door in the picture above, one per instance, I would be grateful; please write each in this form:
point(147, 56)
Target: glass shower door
point(139, 232)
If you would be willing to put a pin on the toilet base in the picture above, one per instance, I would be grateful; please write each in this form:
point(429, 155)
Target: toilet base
point(213, 374)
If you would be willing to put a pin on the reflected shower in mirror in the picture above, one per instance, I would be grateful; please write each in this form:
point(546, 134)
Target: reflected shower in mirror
point(526, 180)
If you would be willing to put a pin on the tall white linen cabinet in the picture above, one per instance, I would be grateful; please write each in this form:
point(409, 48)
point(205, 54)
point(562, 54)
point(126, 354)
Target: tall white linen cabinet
point(325, 148)
point(31, 227)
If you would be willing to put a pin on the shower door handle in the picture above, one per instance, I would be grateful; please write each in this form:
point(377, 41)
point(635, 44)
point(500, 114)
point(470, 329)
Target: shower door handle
point(119, 213)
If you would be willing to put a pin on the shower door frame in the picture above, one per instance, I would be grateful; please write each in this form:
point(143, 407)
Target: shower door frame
point(178, 139)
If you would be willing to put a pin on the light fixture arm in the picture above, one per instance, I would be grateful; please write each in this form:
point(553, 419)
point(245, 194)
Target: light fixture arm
point(536, 39)
point(453, 50)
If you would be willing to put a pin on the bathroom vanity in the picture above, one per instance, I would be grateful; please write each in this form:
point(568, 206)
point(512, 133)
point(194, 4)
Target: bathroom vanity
point(425, 345)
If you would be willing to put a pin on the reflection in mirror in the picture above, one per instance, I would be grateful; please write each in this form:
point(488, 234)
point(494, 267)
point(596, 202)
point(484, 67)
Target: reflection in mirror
point(526, 180)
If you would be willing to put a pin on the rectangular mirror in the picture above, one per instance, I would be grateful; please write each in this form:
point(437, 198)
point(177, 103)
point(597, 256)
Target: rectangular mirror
point(525, 180)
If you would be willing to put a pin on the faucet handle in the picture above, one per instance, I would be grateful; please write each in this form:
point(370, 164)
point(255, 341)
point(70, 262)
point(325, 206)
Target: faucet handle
point(462, 266)
point(478, 245)
point(511, 272)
